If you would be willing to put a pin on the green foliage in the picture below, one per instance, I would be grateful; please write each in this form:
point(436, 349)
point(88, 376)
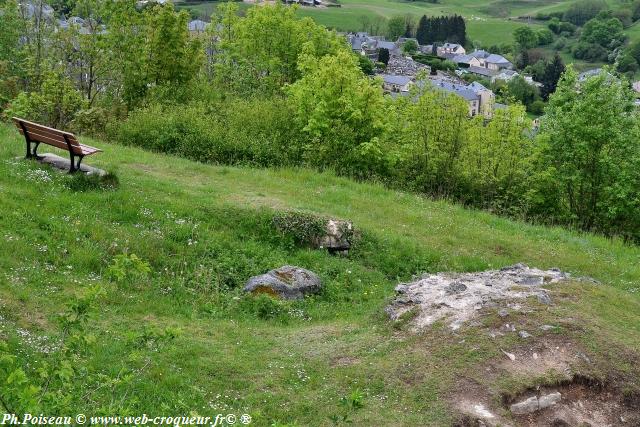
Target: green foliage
point(606, 32)
point(525, 38)
point(544, 36)
point(410, 47)
point(583, 10)
point(303, 228)
point(172, 56)
point(55, 105)
point(395, 27)
point(342, 112)
point(253, 132)
point(351, 403)
point(127, 268)
point(260, 53)
point(49, 384)
point(589, 138)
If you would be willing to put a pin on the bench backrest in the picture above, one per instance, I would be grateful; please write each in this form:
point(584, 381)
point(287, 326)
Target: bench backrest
point(47, 135)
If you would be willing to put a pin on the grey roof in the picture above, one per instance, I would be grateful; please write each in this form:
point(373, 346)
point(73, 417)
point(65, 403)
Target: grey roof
point(396, 80)
point(197, 25)
point(464, 59)
point(482, 71)
point(461, 90)
point(451, 45)
point(386, 45)
point(476, 87)
point(497, 59)
point(480, 54)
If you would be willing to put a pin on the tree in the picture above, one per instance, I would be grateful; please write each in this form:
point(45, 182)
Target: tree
point(410, 47)
point(496, 159)
point(366, 65)
point(341, 111)
point(422, 30)
point(607, 33)
point(247, 64)
point(525, 37)
point(590, 135)
point(522, 91)
point(583, 10)
point(545, 36)
point(396, 27)
point(552, 73)
point(627, 64)
point(434, 138)
point(383, 55)
point(173, 57)
point(55, 104)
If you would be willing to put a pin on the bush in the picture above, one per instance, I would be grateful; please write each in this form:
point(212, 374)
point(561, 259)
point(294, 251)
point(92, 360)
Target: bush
point(537, 107)
point(252, 132)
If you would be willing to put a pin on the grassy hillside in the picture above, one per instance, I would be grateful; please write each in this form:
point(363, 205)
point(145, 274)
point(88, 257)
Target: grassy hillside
point(205, 229)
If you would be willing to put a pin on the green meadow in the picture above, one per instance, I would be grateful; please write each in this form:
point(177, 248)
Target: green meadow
point(331, 359)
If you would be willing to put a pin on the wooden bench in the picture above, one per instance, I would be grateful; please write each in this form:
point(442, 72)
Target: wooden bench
point(39, 134)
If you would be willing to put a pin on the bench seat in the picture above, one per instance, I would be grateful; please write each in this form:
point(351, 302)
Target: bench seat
point(40, 134)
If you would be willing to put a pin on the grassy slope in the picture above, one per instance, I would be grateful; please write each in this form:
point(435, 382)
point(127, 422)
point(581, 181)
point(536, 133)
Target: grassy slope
point(226, 360)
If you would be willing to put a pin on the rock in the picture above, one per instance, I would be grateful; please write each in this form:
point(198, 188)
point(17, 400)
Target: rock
point(458, 298)
point(535, 403)
point(525, 407)
point(503, 312)
point(524, 334)
point(511, 356)
point(288, 282)
point(544, 298)
point(549, 400)
point(531, 280)
point(337, 237)
point(63, 163)
point(546, 327)
point(455, 288)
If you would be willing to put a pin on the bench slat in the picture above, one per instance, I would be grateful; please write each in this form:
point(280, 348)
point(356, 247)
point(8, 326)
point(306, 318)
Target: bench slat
point(43, 132)
point(44, 128)
point(56, 142)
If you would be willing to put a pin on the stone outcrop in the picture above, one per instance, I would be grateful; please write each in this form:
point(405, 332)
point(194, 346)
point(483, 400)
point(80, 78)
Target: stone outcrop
point(287, 282)
point(457, 297)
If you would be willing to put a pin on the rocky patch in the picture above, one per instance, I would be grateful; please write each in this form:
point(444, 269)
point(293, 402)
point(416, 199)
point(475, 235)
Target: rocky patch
point(457, 297)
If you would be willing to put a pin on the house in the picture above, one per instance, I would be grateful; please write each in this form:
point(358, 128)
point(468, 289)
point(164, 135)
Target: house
point(197, 26)
point(36, 10)
point(480, 99)
point(364, 44)
point(483, 63)
point(395, 83)
point(449, 50)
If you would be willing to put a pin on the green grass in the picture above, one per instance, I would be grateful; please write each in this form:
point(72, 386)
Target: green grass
point(205, 229)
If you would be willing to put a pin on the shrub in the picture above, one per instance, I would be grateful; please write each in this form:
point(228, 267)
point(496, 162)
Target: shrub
point(253, 132)
point(127, 267)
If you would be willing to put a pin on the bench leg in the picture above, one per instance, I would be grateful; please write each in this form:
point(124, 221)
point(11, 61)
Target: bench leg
point(28, 156)
point(35, 151)
point(72, 164)
point(75, 165)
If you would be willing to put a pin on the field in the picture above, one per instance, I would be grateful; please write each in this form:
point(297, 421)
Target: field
point(328, 360)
